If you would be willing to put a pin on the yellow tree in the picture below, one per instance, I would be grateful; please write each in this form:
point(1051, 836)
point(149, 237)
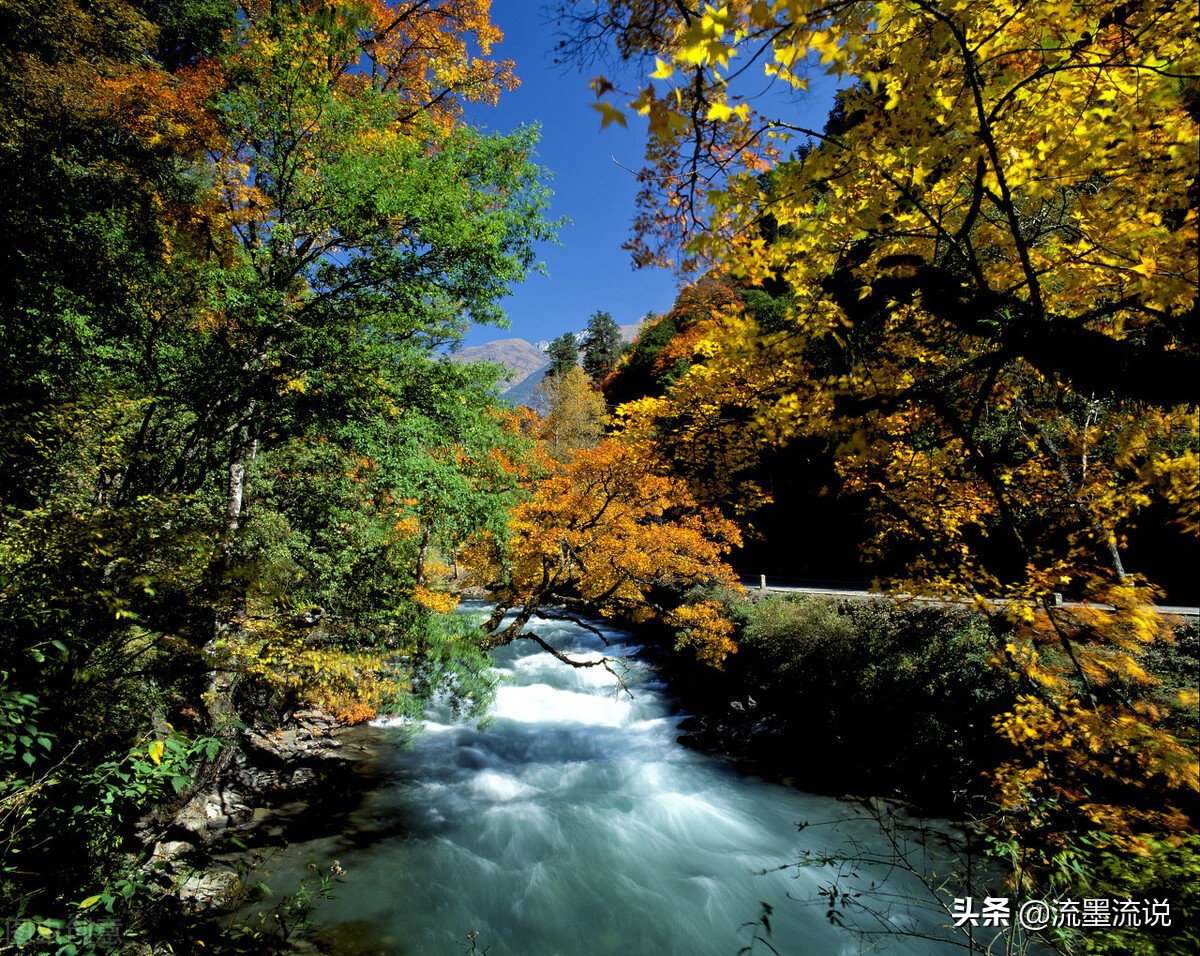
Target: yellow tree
point(991, 251)
point(709, 437)
point(575, 413)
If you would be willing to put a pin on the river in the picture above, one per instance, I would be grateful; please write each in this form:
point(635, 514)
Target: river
point(573, 823)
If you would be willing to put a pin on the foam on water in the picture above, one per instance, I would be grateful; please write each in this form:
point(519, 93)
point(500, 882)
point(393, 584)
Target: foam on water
point(541, 704)
point(497, 787)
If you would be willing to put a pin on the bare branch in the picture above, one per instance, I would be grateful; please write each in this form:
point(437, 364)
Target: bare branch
point(579, 622)
point(605, 662)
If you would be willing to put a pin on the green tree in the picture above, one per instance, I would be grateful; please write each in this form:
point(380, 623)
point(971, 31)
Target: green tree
point(638, 374)
point(88, 212)
point(563, 353)
point(238, 470)
point(601, 346)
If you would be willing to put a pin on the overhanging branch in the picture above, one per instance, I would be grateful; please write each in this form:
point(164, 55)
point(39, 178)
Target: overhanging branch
point(605, 662)
point(579, 622)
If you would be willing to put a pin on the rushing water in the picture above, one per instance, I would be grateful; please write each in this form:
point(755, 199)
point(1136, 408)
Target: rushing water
point(574, 823)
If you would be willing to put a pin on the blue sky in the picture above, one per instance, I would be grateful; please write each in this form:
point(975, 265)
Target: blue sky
point(594, 186)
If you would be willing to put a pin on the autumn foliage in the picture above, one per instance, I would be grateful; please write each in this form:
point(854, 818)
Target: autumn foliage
point(607, 532)
point(988, 265)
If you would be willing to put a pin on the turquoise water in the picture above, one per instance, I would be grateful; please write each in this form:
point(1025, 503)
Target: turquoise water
point(573, 823)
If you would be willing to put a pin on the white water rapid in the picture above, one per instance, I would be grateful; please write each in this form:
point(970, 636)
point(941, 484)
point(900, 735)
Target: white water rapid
point(574, 824)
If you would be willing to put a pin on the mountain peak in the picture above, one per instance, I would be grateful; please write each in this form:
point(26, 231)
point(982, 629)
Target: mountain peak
point(526, 360)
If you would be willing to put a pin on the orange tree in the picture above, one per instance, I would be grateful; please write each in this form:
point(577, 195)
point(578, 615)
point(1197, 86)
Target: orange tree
point(606, 532)
point(991, 258)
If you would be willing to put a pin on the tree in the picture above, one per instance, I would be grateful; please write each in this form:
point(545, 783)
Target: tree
point(350, 223)
point(990, 255)
point(606, 533)
point(563, 353)
point(703, 424)
point(238, 467)
point(974, 201)
point(89, 211)
point(637, 375)
point(601, 346)
point(575, 415)
point(780, 490)
point(346, 202)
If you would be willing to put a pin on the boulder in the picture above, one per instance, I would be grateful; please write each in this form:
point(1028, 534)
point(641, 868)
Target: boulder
point(204, 892)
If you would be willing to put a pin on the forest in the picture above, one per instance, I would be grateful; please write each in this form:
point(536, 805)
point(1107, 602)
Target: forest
point(243, 479)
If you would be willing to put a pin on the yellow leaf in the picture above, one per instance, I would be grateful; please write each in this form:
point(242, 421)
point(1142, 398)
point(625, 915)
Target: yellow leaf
point(720, 112)
point(156, 751)
point(610, 114)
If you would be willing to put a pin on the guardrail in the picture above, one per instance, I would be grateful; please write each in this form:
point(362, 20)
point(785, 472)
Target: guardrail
point(761, 585)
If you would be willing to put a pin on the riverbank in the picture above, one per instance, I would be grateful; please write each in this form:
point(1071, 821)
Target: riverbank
point(298, 781)
point(880, 698)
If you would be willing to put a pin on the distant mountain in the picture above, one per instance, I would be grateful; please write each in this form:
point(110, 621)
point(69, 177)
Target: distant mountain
point(523, 358)
point(526, 360)
point(525, 391)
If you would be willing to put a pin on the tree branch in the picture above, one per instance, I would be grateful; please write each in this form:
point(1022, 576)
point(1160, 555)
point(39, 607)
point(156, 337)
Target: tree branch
point(579, 622)
point(605, 662)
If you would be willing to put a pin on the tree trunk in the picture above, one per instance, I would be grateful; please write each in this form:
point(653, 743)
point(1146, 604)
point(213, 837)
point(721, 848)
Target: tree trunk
point(242, 452)
point(221, 679)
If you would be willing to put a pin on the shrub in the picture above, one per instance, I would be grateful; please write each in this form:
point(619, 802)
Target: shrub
point(885, 696)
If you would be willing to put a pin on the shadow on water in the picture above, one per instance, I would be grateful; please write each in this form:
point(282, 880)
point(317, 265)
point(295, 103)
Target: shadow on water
point(330, 807)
